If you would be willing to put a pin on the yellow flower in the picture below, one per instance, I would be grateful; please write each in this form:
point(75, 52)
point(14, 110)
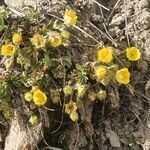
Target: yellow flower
point(68, 90)
point(70, 17)
point(28, 96)
point(133, 53)
point(55, 39)
point(70, 107)
point(74, 116)
point(17, 38)
point(38, 41)
point(39, 98)
point(123, 76)
point(100, 72)
point(8, 49)
point(105, 55)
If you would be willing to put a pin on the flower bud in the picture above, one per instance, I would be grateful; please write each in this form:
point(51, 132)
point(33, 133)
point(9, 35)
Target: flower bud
point(101, 95)
point(74, 116)
point(81, 90)
point(33, 120)
point(70, 107)
point(17, 38)
point(28, 96)
point(68, 90)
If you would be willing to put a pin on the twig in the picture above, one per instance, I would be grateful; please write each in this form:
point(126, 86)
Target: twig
point(100, 5)
point(104, 25)
point(48, 108)
point(126, 23)
point(16, 12)
point(88, 35)
point(49, 147)
point(113, 10)
point(52, 15)
point(100, 31)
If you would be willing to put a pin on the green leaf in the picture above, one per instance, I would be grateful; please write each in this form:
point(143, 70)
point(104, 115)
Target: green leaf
point(4, 89)
point(2, 25)
point(82, 74)
point(66, 61)
point(47, 60)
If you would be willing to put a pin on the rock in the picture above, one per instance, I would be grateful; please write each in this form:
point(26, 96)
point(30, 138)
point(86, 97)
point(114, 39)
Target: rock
point(21, 137)
point(146, 145)
point(138, 23)
point(21, 3)
point(113, 138)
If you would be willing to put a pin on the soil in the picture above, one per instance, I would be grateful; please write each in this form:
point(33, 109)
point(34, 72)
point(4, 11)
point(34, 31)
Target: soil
point(123, 120)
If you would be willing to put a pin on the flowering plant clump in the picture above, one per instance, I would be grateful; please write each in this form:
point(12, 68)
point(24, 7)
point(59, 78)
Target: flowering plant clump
point(50, 72)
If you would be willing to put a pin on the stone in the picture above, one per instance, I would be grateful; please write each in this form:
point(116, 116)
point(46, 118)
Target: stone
point(21, 3)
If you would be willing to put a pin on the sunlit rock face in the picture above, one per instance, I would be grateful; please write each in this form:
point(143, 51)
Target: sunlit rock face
point(21, 3)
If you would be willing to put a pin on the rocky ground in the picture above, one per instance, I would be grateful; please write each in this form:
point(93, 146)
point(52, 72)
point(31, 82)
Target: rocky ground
point(122, 122)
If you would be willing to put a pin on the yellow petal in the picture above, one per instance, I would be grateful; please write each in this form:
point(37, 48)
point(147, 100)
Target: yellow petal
point(8, 49)
point(28, 96)
point(70, 107)
point(17, 38)
point(100, 72)
point(123, 76)
point(70, 17)
point(38, 41)
point(68, 90)
point(39, 98)
point(133, 54)
point(55, 40)
point(74, 116)
point(105, 55)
